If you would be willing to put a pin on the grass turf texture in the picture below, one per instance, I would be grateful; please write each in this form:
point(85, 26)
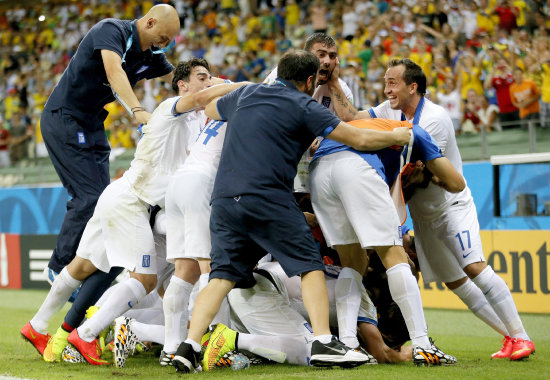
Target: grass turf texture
point(456, 332)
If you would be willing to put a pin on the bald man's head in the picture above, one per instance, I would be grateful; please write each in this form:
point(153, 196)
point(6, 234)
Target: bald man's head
point(158, 27)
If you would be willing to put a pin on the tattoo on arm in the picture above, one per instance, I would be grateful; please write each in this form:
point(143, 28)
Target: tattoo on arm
point(345, 103)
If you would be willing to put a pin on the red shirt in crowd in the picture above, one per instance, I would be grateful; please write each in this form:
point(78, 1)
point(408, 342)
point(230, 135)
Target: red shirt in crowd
point(4, 134)
point(502, 89)
point(506, 17)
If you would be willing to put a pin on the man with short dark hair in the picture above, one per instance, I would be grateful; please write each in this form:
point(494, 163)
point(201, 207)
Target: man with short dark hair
point(331, 91)
point(446, 227)
point(253, 208)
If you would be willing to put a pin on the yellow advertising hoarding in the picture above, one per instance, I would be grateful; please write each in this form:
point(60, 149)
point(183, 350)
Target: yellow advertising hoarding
point(521, 258)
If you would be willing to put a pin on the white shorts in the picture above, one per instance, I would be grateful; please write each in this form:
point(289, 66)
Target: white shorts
point(352, 202)
point(188, 214)
point(449, 243)
point(262, 310)
point(118, 234)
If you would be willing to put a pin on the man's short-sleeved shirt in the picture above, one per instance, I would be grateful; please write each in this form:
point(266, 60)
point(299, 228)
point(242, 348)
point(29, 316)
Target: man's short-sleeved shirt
point(386, 161)
point(269, 127)
point(84, 90)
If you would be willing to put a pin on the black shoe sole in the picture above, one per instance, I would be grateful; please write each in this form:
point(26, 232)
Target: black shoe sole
point(324, 364)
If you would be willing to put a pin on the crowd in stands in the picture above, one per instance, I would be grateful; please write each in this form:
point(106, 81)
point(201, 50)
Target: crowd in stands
point(487, 61)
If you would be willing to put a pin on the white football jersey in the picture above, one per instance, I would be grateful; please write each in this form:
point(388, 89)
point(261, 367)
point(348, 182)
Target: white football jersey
point(206, 151)
point(433, 201)
point(161, 150)
point(291, 289)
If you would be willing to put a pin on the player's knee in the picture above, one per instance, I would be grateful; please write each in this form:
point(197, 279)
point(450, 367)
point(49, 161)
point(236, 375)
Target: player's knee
point(472, 270)
point(455, 284)
point(149, 281)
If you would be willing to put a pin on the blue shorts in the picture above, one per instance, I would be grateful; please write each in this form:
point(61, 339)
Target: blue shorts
point(243, 229)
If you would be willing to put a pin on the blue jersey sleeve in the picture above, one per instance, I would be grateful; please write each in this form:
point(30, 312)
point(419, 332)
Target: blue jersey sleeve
point(227, 104)
point(319, 120)
point(424, 148)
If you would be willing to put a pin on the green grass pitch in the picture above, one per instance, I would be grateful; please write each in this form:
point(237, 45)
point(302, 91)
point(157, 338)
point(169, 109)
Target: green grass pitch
point(456, 332)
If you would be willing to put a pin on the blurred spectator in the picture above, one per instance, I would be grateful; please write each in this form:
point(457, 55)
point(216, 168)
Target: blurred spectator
point(318, 12)
point(11, 103)
point(292, 16)
point(122, 134)
point(283, 43)
point(216, 52)
point(470, 118)
point(268, 23)
point(350, 75)
point(469, 75)
point(500, 78)
point(21, 135)
point(525, 96)
point(5, 138)
point(507, 16)
point(450, 99)
point(256, 64)
point(365, 56)
point(422, 57)
point(488, 115)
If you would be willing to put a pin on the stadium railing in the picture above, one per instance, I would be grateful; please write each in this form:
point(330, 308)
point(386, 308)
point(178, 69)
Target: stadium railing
point(530, 137)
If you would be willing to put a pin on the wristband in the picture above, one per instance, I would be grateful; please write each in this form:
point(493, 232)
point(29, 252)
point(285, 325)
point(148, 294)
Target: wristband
point(137, 109)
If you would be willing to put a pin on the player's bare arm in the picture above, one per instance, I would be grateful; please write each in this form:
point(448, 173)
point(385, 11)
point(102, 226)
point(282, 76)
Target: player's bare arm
point(168, 77)
point(342, 106)
point(368, 139)
point(121, 85)
point(364, 114)
point(445, 175)
point(200, 99)
point(211, 109)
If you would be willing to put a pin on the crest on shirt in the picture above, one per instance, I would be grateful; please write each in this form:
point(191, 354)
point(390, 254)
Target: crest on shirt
point(81, 137)
point(326, 101)
point(142, 69)
point(146, 261)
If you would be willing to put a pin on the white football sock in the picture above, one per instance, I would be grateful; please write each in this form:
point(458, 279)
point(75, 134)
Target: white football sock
point(473, 297)
point(325, 339)
point(149, 301)
point(148, 316)
point(128, 294)
point(176, 313)
point(348, 299)
point(62, 288)
point(196, 346)
point(281, 349)
point(406, 294)
point(499, 297)
point(147, 332)
point(105, 296)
